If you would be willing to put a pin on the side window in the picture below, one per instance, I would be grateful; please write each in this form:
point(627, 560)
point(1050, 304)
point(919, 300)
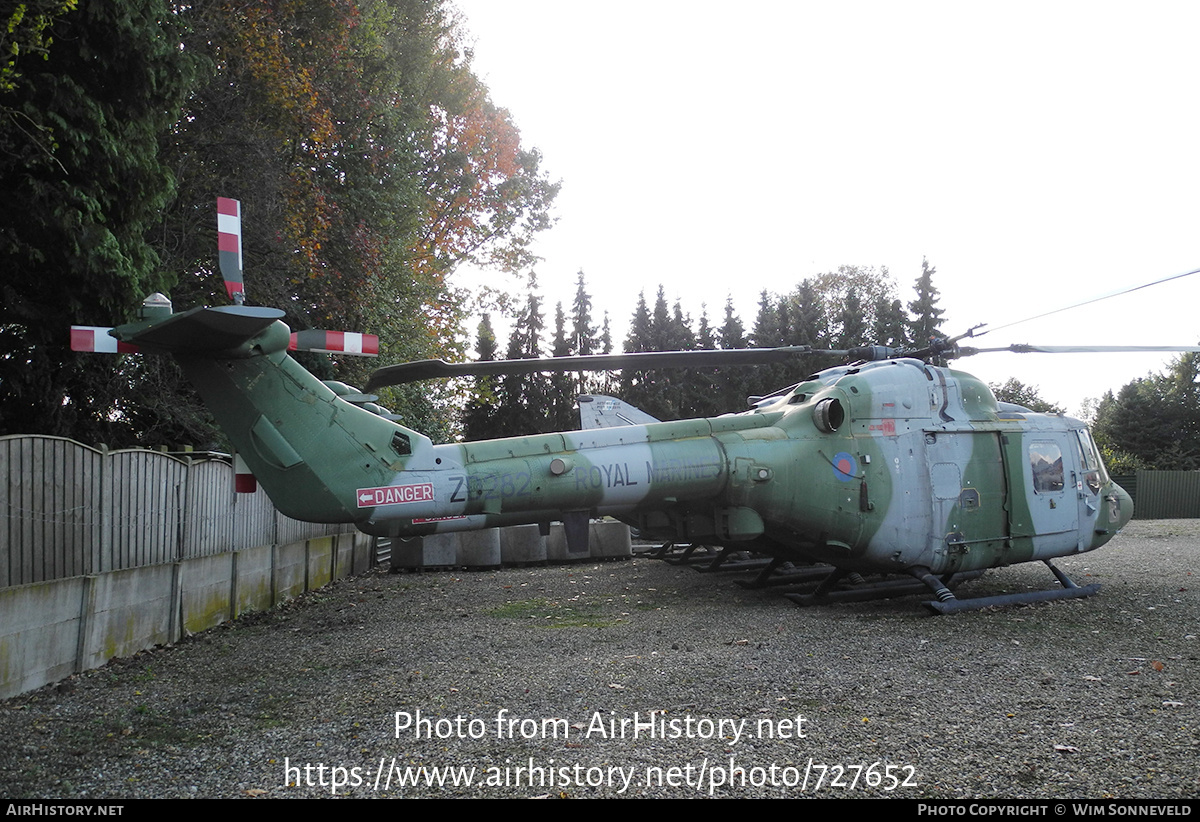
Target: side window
point(1093, 469)
point(1045, 458)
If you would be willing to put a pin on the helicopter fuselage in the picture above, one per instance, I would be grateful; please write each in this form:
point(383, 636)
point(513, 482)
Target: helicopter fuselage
point(886, 466)
point(881, 467)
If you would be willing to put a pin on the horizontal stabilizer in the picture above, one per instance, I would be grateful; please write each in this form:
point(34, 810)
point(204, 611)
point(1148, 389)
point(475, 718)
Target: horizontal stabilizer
point(201, 330)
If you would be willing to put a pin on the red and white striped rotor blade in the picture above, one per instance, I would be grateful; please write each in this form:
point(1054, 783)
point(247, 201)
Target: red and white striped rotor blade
point(97, 339)
point(229, 245)
point(335, 342)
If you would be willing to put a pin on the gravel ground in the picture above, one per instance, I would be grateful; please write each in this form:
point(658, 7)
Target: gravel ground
point(1091, 698)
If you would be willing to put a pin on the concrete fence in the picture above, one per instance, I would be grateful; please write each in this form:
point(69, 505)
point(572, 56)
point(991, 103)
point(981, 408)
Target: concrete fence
point(106, 553)
point(52, 629)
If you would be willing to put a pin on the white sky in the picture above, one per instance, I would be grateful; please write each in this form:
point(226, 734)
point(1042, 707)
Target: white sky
point(1037, 153)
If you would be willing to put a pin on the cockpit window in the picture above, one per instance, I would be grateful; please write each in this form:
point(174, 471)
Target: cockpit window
point(1093, 467)
point(1045, 458)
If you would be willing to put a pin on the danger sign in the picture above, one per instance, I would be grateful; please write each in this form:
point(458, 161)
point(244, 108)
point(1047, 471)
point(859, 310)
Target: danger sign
point(395, 495)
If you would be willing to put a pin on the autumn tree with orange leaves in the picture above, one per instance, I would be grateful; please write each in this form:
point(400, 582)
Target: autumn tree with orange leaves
point(370, 162)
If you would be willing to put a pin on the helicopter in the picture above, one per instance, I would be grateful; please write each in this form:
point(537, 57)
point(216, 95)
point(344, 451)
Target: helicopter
point(885, 466)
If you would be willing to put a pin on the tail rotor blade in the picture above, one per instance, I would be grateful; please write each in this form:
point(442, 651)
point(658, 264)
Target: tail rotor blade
point(229, 246)
point(335, 342)
point(95, 338)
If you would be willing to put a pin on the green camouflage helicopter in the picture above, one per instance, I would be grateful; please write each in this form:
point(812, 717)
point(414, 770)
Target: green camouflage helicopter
point(888, 466)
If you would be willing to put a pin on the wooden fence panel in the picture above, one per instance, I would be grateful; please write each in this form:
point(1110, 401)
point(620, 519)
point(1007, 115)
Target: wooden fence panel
point(254, 520)
point(71, 510)
point(149, 491)
point(209, 524)
point(51, 519)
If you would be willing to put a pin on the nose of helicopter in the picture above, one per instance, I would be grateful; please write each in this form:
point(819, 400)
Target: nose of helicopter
point(1120, 507)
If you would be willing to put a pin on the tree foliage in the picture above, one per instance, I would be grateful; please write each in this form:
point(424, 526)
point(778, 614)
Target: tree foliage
point(843, 306)
point(1028, 396)
point(79, 153)
point(925, 322)
point(25, 33)
point(1153, 422)
point(369, 158)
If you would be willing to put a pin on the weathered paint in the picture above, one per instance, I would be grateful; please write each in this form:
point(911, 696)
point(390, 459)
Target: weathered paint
point(881, 467)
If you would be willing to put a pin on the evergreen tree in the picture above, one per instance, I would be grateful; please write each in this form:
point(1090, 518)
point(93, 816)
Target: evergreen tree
point(85, 183)
point(563, 386)
point(678, 391)
point(480, 412)
point(604, 382)
point(810, 328)
point(661, 330)
point(1154, 422)
point(704, 384)
point(706, 339)
point(733, 333)
point(733, 384)
point(584, 338)
point(808, 325)
point(635, 385)
point(640, 336)
point(925, 321)
point(890, 324)
point(1015, 391)
point(767, 333)
point(851, 322)
point(524, 398)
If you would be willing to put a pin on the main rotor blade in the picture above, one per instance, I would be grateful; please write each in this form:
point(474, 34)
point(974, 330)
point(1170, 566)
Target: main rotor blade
point(1023, 348)
point(430, 369)
point(1089, 301)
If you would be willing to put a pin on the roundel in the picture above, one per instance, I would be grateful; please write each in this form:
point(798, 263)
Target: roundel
point(843, 466)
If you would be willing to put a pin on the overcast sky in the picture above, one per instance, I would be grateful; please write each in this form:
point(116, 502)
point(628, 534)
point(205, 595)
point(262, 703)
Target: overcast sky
point(1036, 153)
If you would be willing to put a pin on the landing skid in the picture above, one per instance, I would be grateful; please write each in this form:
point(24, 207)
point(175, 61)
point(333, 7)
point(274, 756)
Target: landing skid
point(862, 591)
point(947, 603)
point(835, 585)
point(771, 570)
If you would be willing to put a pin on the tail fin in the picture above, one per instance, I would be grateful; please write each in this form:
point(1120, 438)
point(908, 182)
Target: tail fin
point(598, 411)
point(309, 449)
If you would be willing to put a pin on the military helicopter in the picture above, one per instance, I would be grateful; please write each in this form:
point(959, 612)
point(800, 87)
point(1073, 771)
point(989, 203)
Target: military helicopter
point(888, 465)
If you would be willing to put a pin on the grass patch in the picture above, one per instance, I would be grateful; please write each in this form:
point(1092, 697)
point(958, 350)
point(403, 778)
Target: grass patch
point(547, 613)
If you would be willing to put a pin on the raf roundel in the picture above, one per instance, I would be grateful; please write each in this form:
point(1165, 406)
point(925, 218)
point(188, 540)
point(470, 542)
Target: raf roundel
point(843, 466)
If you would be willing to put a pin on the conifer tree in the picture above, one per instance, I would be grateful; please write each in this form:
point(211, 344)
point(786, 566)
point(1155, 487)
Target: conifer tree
point(890, 324)
point(733, 384)
point(851, 321)
point(584, 339)
point(524, 397)
point(925, 321)
point(635, 385)
point(562, 386)
point(704, 384)
point(480, 413)
point(84, 182)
